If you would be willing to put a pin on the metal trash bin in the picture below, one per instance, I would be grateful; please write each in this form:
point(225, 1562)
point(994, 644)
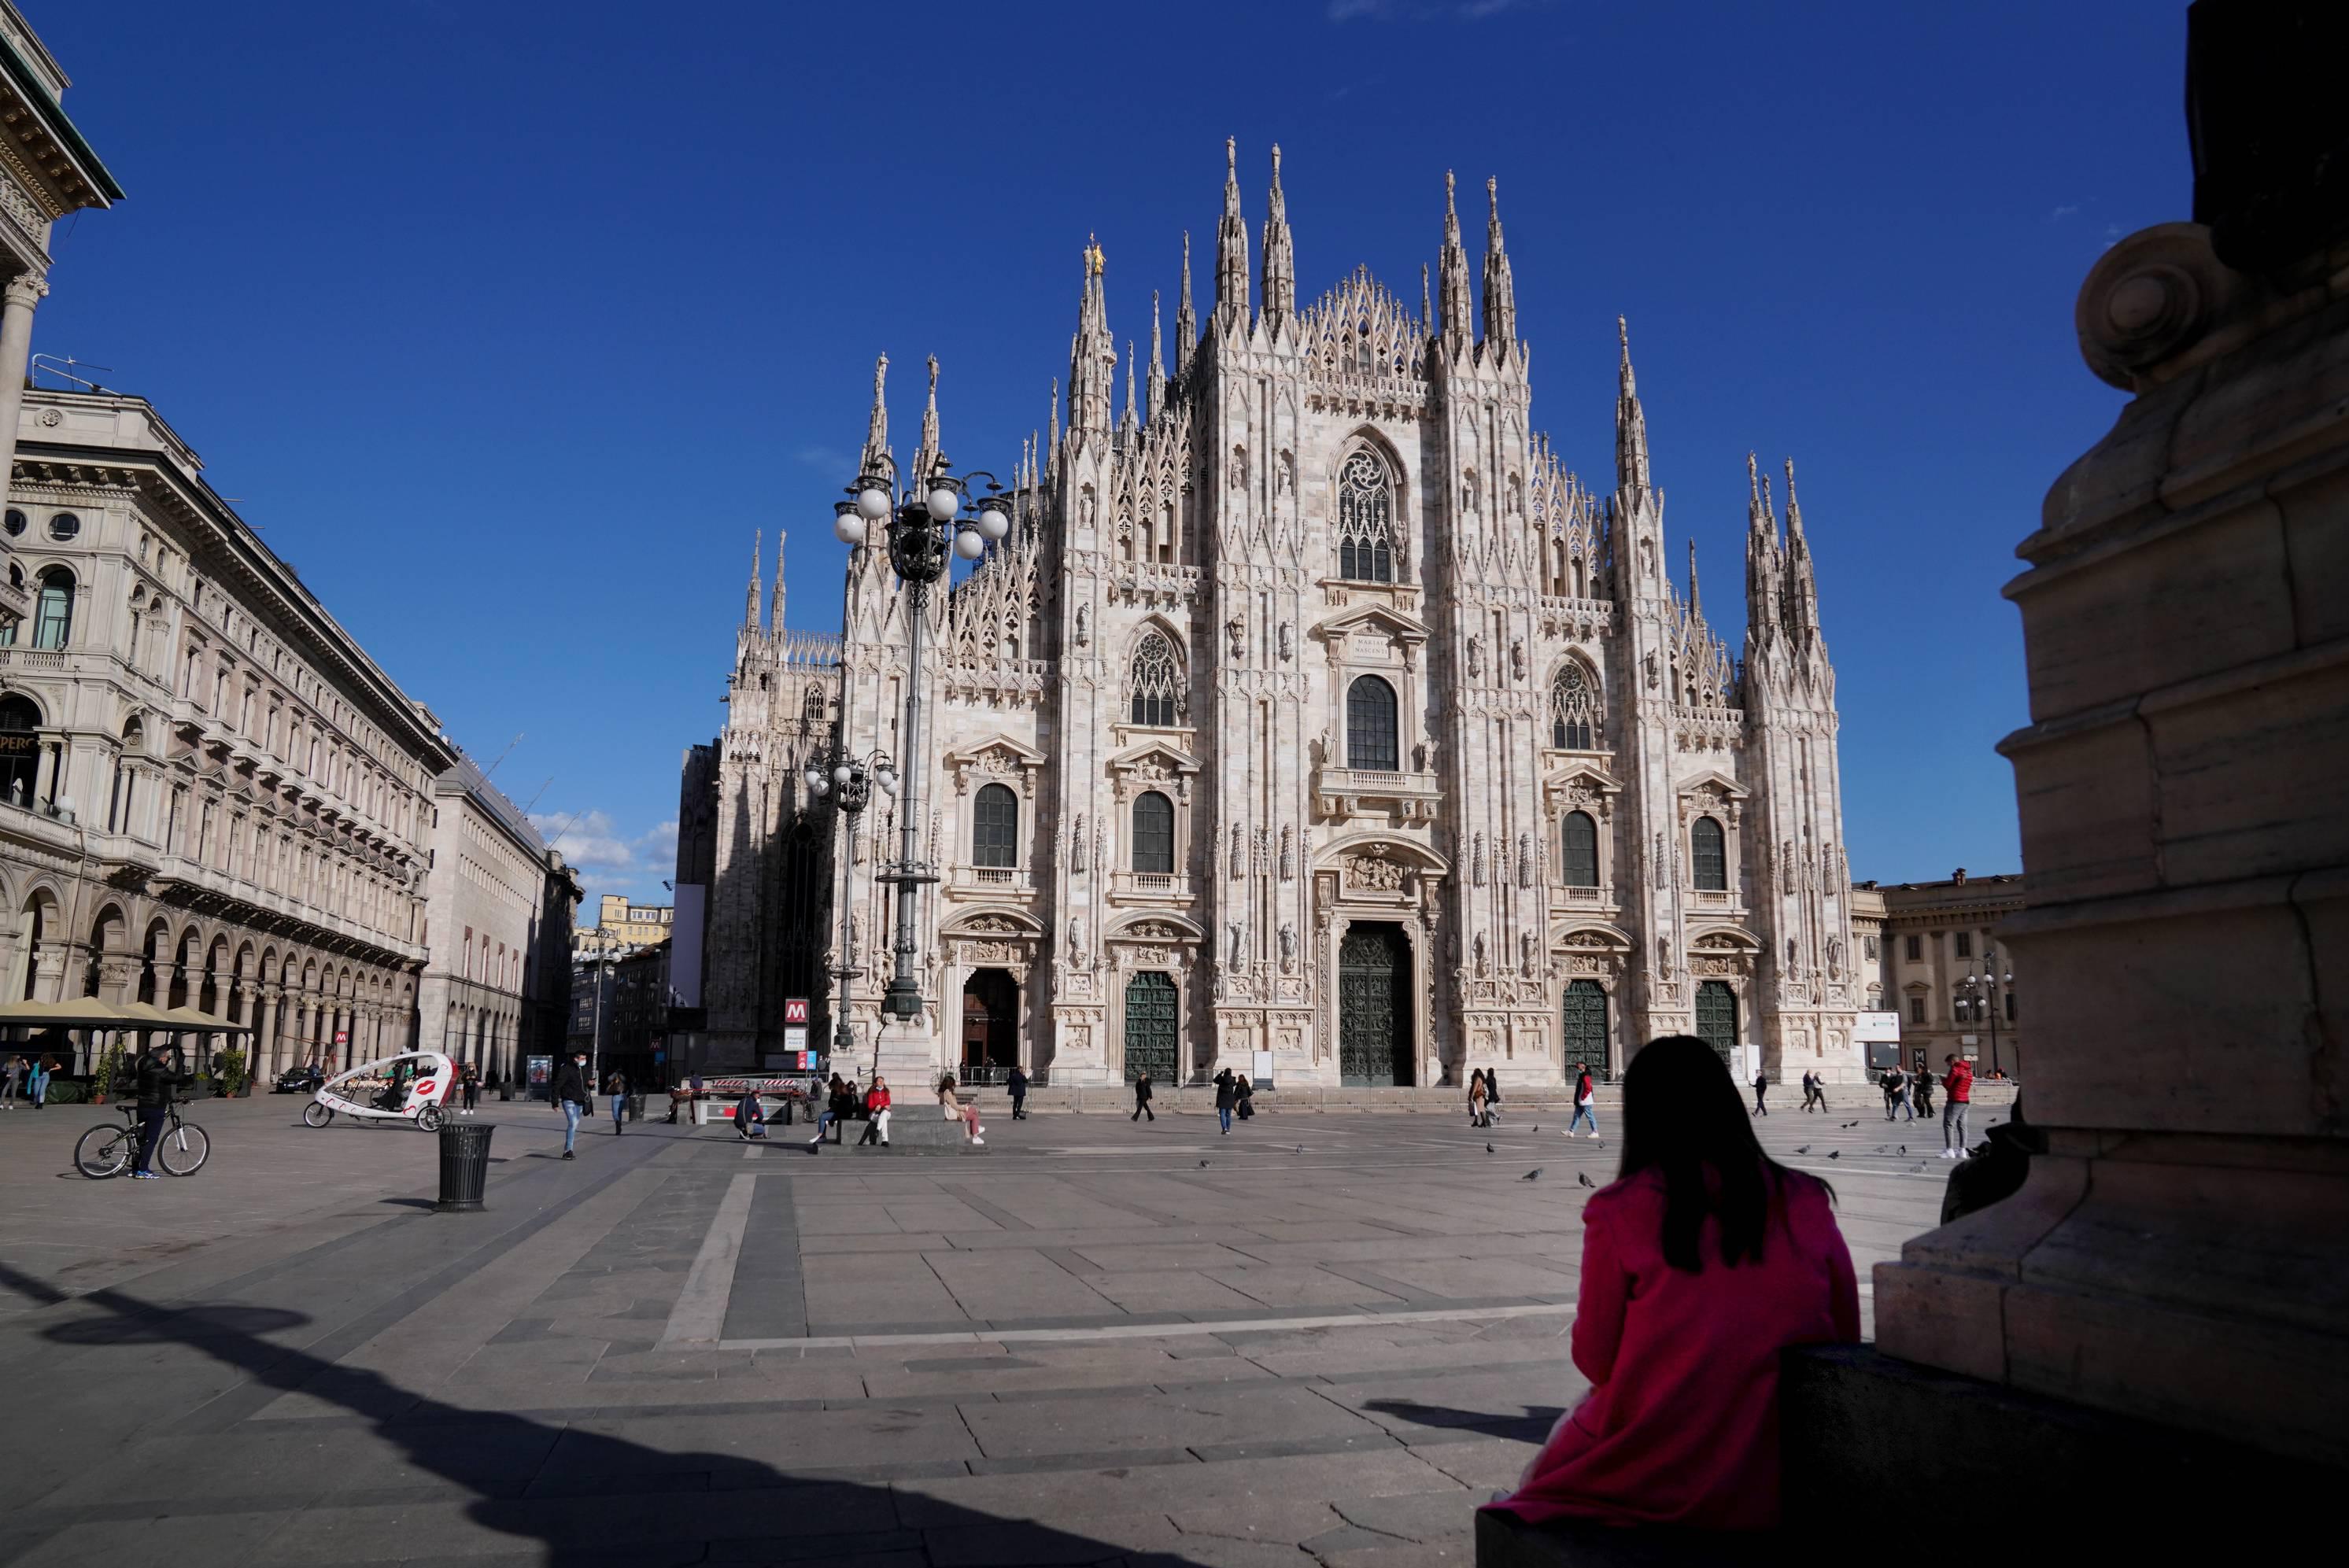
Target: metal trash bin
point(636, 1107)
point(464, 1165)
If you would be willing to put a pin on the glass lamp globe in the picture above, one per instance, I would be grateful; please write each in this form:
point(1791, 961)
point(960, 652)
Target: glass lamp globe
point(944, 503)
point(841, 774)
point(887, 777)
point(872, 503)
point(993, 524)
point(848, 528)
point(969, 545)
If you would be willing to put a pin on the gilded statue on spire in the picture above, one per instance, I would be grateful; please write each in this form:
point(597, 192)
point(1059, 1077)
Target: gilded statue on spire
point(1093, 261)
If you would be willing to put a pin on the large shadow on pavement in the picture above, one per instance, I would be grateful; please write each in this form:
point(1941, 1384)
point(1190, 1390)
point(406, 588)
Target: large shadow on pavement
point(582, 1497)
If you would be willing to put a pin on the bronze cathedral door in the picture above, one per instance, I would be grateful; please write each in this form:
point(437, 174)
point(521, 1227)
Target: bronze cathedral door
point(1374, 1006)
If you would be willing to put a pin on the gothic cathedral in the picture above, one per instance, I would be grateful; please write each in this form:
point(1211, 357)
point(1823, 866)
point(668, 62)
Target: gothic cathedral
point(1312, 714)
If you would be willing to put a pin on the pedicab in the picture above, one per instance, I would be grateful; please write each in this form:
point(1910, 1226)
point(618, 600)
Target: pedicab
point(406, 1087)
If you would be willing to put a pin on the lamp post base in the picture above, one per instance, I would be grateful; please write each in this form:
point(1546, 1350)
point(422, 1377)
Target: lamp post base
point(906, 1054)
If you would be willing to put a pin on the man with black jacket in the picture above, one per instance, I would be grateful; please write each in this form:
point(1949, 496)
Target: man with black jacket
point(571, 1097)
point(155, 1082)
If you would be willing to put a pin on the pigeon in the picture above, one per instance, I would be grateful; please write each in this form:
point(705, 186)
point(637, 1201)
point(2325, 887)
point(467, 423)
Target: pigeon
point(1805, 1149)
point(1914, 1169)
point(1584, 1177)
point(1531, 1175)
point(1490, 1149)
point(1301, 1149)
point(1881, 1147)
point(1203, 1165)
point(1904, 1149)
point(1850, 1124)
point(1537, 1126)
point(1835, 1153)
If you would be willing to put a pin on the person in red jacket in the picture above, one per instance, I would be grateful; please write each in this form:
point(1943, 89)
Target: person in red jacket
point(1957, 1090)
point(877, 1106)
point(1699, 1263)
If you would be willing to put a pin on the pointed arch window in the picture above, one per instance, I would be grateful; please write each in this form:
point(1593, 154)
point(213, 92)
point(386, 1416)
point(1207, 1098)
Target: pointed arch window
point(1574, 713)
point(1371, 740)
point(1708, 856)
point(995, 827)
point(1579, 838)
point(1365, 519)
point(1153, 834)
point(1156, 683)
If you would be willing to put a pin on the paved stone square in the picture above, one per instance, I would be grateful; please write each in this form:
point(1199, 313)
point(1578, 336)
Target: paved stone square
point(1323, 1338)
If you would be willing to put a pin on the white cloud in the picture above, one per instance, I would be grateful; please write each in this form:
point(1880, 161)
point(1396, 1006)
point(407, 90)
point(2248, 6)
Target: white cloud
point(593, 843)
point(2061, 213)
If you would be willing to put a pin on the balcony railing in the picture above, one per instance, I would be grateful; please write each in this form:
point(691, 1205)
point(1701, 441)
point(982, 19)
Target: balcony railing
point(1150, 887)
point(992, 880)
point(1343, 791)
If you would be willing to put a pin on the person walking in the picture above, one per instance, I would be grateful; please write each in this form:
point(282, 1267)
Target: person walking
point(1701, 1262)
point(1957, 1094)
point(1586, 1101)
point(154, 1081)
point(1017, 1084)
point(1243, 1096)
point(1924, 1092)
point(616, 1087)
point(12, 1079)
point(1807, 1092)
point(876, 1112)
point(1761, 1087)
point(1896, 1092)
point(36, 1083)
point(1492, 1097)
point(471, 1081)
point(1142, 1100)
point(953, 1107)
point(1479, 1097)
point(1226, 1096)
point(571, 1097)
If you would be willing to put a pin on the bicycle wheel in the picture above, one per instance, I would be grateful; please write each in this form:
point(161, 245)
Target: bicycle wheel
point(316, 1115)
point(429, 1118)
point(103, 1151)
point(183, 1150)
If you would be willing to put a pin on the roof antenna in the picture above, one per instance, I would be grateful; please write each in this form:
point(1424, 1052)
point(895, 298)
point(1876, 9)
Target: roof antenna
point(56, 367)
point(541, 790)
point(492, 768)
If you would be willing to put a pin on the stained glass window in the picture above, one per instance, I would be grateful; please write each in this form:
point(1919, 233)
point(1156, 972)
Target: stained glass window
point(1574, 715)
point(1156, 683)
point(1365, 519)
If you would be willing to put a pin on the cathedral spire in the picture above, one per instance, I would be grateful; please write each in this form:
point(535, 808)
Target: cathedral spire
point(1093, 358)
point(1053, 452)
point(750, 600)
point(1631, 426)
point(1157, 363)
point(1186, 320)
point(1802, 592)
point(1132, 414)
point(875, 459)
point(1231, 249)
point(1500, 291)
point(1459, 313)
point(927, 457)
point(1762, 561)
point(1696, 598)
point(1279, 256)
point(1426, 310)
point(775, 616)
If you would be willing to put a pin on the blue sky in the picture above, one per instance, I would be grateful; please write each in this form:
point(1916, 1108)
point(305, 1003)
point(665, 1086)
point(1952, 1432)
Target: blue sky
point(509, 321)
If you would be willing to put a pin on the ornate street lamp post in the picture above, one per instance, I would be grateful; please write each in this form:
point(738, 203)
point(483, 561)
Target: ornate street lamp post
point(1985, 995)
point(853, 778)
point(926, 524)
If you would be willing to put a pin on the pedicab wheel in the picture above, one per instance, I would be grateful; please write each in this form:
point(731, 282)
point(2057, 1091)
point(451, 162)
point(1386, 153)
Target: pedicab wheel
point(183, 1149)
point(429, 1118)
point(317, 1115)
point(103, 1151)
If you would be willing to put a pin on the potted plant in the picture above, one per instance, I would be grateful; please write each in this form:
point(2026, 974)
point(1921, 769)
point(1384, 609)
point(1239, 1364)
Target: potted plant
point(228, 1073)
point(107, 1072)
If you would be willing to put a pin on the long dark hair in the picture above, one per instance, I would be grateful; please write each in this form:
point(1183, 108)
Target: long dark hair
point(1682, 1117)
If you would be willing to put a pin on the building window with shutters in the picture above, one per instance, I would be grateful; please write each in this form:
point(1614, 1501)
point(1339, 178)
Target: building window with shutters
point(1372, 737)
point(1153, 834)
point(1708, 856)
point(1578, 841)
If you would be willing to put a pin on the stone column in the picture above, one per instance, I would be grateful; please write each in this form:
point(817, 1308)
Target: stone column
point(2179, 1253)
point(18, 298)
point(265, 1044)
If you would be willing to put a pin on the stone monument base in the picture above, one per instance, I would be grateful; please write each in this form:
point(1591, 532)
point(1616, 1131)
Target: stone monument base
point(1955, 1468)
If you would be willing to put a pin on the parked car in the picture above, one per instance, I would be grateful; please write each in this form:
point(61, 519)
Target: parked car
point(302, 1080)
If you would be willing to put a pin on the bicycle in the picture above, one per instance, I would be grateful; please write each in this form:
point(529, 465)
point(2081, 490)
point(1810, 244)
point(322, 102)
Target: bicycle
point(105, 1151)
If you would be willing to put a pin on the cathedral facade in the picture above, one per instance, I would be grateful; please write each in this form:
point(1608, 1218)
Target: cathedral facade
point(1312, 708)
